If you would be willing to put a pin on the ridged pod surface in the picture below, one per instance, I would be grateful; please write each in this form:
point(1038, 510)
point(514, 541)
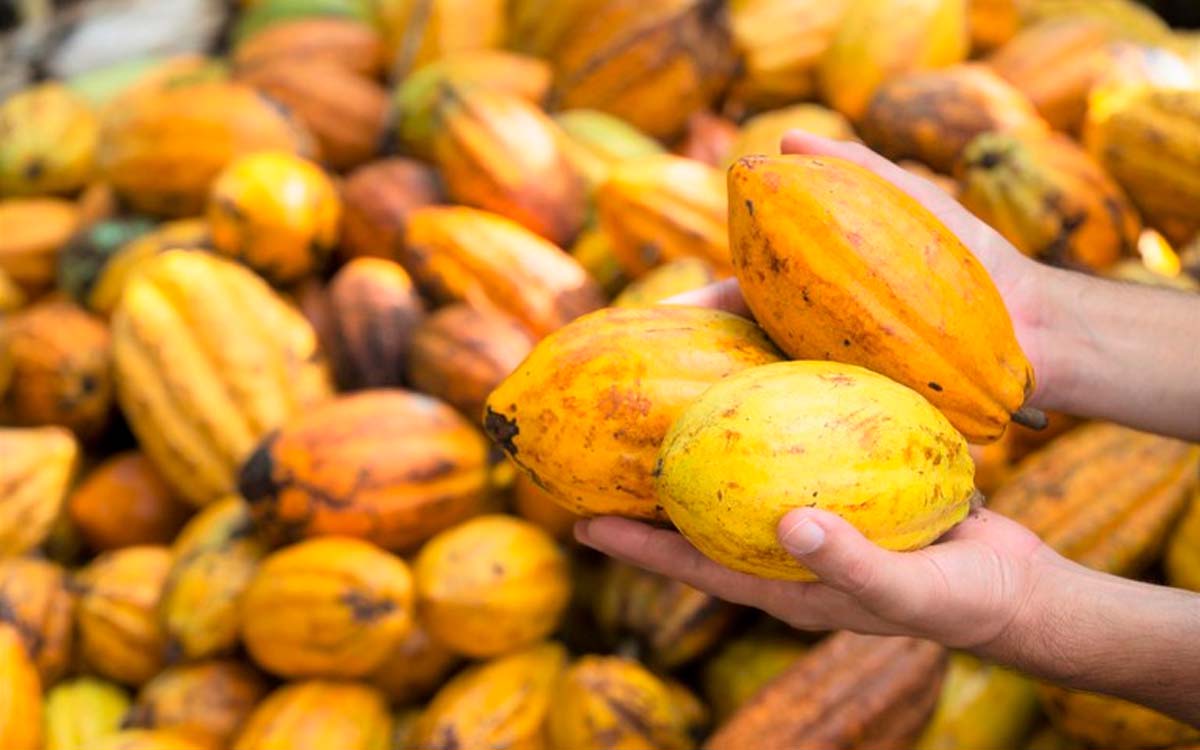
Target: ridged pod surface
point(838, 263)
point(162, 149)
point(614, 382)
point(662, 208)
point(744, 666)
point(35, 599)
point(850, 691)
point(1048, 197)
point(198, 384)
point(376, 201)
point(499, 703)
point(124, 501)
point(120, 636)
point(762, 133)
point(1103, 721)
point(810, 435)
point(537, 27)
point(48, 138)
point(32, 233)
point(417, 32)
point(128, 261)
point(330, 607)
point(610, 701)
point(491, 586)
point(594, 142)
point(931, 116)
point(649, 63)
point(1183, 551)
point(1149, 140)
point(393, 467)
point(206, 701)
point(20, 694)
point(981, 705)
point(466, 255)
point(39, 463)
point(415, 668)
point(880, 39)
point(80, 712)
point(213, 559)
point(676, 277)
point(318, 715)
point(345, 42)
point(1103, 495)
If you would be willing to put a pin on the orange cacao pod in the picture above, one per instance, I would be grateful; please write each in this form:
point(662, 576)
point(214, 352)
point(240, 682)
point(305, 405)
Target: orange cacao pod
point(147, 739)
point(1182, 559)
point(205, 701)
point(20, 694)
point(1102, 721)
point(676, 277)
point(125, 502)
point(344, 42)
point(47, 141)
point(763, 133)
point(414, 668)
point(708, 138)
point(317, 715)
point(376, 201)
point(416, 33)
point(35, 599)
point(539, 507)
point(38, 466)
point(32, 232)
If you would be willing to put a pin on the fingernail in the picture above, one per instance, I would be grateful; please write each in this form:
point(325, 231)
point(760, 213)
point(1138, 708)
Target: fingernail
point(804, 537)
point(581, 532)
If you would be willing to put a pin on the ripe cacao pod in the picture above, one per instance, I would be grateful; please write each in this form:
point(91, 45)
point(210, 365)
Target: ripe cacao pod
point(676, 277)
point(671, 622)
point(878, 40)
point(1183, 551)
point(708, 138)
point(1103, 721)
point(539, 507)
point(61, 369)
point(490, 586)
point(744, 666)
point(118, 269)
point(931, 116)
point(499, 703)
point(981, 705)
point(762, 133)
point(206, 701)
point(32, 232)
point(200, 387)
point(1146, 138)
point(777, 452)
point(614, 381)
point(330, 607)
point(376, 201)
point(421, 31)
point(345, 42)
point(821, 243)
point(994, 22)
point(1135, 20)
point(611, 701)
point(148, 739)
point(162, 149)
point(595, 141)
point(1049, 198)
point(48, 138)
point(120, 636)
point(12, 298)
point(20, 694)
point(317, 715)
point(537, 27)
point(649, 63)
point(594, 252)
point(463, 254)
point(894, 683)
point(414, 668)
point(498, 152)
point(213, 559)
point(124, 501)
point(80, 712)
point(393, 467)
point(86, 254)
point(460, 354)
point(35, 599)
point(662, 208)
point(1104, 496)
point(38, 466)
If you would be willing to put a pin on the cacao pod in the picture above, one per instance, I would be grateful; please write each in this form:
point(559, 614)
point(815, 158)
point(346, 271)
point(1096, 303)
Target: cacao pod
point(490, 586)
point(32, 233)
point(331, 607)
point(878, 40)
point(537, 27)
point(981, 705)
point(463, 254)
point(414, 668)
point(61, 369)
point(206, 701)
point(610, 701)
point(994, 22)
point(762, 134)
point(614, 381)
point(498, 152)
point(662, 208)
point(82, 711)
point(1183, 551)
point(108, 87)
point(782, 452)
point(744, 666)
point(275, 212)
point(1146, 138)
point(460, 354)
point(812, 233)
point(931, 116)
point(124, 501)
point(121, 267)
point(1135, 20)
point(38, 466)
point(148, 739)
point(35, 599)
point(345, 42)
point(649, 63)
point(595, 141)
point(421, 31)
point(120, 636)
point(708, 138)
point(12, 298)
point(594, 251)
point(317, 715)
point(499, 703)
point(20, 694)
point(1049, 198)
point(377, 199)
point(1103, 721)
point(162, 149)
point(48, 137)
point(260, 15)
point(1102, 495)
point(894, 683)
point(213, 559)
point(664, 282)
point(540, 508)
point(390, 466)
point(200, 387)
point(89, 251)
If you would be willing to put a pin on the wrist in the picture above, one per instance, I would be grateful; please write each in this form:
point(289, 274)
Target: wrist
point(1045, 302)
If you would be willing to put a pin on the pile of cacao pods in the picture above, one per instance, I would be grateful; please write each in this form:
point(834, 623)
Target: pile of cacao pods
point(262, 310)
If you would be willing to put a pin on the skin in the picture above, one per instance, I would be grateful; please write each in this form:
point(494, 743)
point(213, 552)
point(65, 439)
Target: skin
point(990, 586)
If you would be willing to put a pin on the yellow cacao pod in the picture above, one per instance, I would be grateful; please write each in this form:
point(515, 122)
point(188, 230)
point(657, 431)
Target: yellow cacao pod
point(762, 133)
point(148, 739)
point(1103, 721)
point(981, 705)
point(537, 27)
point(82, 711)
point(782, 452)
point(332, 607)
point(491, 586)
point(676, 277)
point(12, 298)
point(318, 715)
point(36, 600)
point(1132, 18)
point(416, 667)
point(126, 263)
point(1183, 551)
point(32, 232)
point(20, 694)
point(48, 137)
point(614, 380)
point(206, 701)
point(200, 387)
point(994, 22)
point(38, 466)
point(416, 32)
point(540, 508)
point(594, 252)
point(595, 141)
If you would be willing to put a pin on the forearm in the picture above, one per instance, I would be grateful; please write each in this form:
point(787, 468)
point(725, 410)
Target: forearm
point(1121, 352)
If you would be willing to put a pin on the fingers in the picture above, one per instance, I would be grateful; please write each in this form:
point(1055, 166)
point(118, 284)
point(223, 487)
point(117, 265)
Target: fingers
point(996, 531)
point(724, 295)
